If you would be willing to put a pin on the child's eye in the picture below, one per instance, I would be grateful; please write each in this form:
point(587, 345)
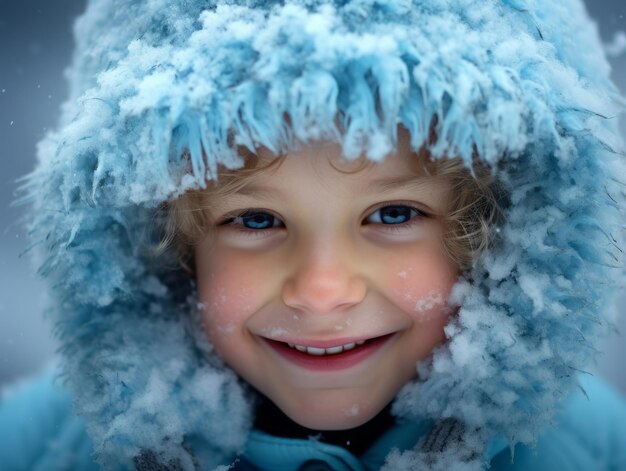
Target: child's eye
point(254, 220)
point(393, 214)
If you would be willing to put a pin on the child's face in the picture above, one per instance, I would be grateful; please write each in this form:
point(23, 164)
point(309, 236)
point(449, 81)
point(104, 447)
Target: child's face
point(308, 256)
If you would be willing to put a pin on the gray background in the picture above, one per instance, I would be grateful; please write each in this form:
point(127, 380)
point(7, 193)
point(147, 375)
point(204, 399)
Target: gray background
point(35, 48)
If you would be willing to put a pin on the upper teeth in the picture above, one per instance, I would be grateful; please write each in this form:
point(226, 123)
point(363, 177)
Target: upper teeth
point(326, 351)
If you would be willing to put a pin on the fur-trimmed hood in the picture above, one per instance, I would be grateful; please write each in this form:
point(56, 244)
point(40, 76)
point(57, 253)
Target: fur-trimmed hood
point(162, 92)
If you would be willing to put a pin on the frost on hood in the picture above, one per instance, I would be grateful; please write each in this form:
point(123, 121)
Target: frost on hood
point(161, 94)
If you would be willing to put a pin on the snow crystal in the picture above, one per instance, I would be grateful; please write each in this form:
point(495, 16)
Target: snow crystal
point(153, 286)
point(138, 192)
point(534, 285)
point(276, 332)
point(228, 328)
point(429, 302)
point(460, 291)
point(617, 47)
point(500, 267)
point(353, 411)
point(465, 352)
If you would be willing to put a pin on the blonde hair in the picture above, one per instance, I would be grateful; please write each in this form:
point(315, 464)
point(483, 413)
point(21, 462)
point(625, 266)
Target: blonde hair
point(468, 224)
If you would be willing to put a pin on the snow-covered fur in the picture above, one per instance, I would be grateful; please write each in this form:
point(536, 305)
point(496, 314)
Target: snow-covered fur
point(163, 91)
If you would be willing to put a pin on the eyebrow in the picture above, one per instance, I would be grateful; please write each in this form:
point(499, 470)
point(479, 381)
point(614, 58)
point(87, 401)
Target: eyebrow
point(385, 185)
point(255, 190)
point(379, 185)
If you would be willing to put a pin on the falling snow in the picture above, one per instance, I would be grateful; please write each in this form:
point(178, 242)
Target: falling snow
point(617, 47)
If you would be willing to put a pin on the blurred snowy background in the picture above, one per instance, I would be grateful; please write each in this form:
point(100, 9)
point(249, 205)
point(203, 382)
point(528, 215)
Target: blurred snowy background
point(35, 48)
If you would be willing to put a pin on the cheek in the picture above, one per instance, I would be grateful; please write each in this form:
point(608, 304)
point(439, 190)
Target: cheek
point(227, 289)
point(421, 281)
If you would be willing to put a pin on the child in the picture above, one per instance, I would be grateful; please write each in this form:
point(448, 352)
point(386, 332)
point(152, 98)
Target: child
point(387, 238)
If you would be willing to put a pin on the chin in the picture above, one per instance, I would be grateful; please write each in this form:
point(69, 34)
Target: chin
point(335, 418)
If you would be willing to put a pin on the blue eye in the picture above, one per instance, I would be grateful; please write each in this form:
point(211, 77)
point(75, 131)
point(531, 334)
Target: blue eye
point(394, 214)
point(255, 220)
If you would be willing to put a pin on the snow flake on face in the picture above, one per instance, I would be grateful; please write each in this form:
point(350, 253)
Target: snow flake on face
point(220, 299)
point(219, 302)
point(228, 328)
point(434, 299)
point(352, 411)
point(276, 332)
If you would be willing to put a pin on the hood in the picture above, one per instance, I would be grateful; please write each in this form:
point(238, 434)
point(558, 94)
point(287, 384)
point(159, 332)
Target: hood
point(162, 92)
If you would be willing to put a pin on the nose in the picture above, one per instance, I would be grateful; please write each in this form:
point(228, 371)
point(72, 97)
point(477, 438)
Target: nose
point(324, 282)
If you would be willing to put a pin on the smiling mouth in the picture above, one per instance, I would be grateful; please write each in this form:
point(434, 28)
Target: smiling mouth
point(334, 351)
point(336, 357)
point(318, 352)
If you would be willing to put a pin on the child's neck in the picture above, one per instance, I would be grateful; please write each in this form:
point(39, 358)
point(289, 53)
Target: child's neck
point(270, 419)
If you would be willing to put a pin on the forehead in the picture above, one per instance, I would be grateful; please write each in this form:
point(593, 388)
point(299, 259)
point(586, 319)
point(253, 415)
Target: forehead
point(326, 160)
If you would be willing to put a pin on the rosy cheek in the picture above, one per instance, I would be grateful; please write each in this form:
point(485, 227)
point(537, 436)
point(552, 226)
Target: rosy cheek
point(421, 289)
point(226, 291)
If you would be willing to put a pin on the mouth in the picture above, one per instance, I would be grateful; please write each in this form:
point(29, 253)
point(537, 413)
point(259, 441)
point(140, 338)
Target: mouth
point(333, 357)
point(317, 351)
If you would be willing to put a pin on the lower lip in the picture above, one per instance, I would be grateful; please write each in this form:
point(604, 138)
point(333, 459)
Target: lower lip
point(338, 361)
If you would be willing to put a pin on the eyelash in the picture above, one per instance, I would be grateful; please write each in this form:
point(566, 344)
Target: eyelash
point(231, 220)
point(415, 214)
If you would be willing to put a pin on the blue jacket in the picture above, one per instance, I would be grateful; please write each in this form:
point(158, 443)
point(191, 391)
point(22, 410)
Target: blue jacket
point(40, 432)
point(163, 93)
